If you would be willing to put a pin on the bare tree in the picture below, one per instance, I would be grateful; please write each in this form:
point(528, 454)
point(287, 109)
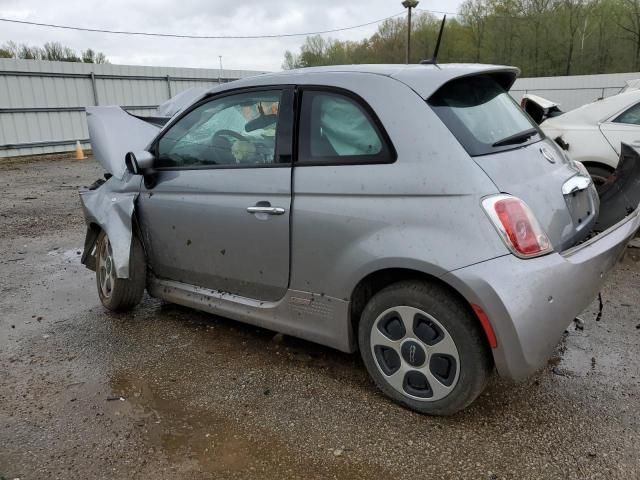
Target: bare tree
point(474, 14)
point(290, 61)
point(575, 13)
point(604, 16)
point(505, 16)
point(536, 12)
point(90, 56)
point(29, 53)
point(53, 51)
point(630, 23)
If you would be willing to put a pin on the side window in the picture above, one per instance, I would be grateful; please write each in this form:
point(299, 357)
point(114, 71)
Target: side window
point(335, 128)
point(233, 130)
point(631, 116)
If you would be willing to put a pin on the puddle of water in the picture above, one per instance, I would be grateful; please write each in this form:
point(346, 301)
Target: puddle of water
point(211, 440)
point(185, 433)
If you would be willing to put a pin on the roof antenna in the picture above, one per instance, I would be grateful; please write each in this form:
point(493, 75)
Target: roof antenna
point(433, 60)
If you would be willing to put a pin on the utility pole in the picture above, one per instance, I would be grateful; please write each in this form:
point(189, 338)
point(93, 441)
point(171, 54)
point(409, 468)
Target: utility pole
point(220, 70)
point(409, 4)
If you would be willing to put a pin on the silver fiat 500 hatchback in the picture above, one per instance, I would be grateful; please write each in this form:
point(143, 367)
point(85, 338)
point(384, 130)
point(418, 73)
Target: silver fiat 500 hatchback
point(412, 213)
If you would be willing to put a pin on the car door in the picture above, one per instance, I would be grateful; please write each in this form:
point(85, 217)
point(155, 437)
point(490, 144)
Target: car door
point(218, 214)
point(624, 128)
point(341, 187)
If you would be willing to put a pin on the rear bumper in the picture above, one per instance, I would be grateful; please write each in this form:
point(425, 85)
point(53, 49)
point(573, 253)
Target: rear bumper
point(531, 302)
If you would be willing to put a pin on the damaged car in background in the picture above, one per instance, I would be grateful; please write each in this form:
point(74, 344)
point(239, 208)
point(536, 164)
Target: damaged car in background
point(412, 213)
point(593, 134)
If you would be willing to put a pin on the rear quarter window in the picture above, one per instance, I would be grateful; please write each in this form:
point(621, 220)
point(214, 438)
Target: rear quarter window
point(340, 129)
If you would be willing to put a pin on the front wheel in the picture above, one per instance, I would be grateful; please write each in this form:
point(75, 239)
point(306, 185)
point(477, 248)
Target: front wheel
point(424, 348)
point(119, 294)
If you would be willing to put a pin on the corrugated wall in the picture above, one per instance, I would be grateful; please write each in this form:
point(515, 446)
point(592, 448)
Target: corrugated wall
point(42, 103)
point(574, 91)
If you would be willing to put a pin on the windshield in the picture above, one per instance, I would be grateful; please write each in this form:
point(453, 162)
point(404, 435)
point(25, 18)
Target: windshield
point(483, 116)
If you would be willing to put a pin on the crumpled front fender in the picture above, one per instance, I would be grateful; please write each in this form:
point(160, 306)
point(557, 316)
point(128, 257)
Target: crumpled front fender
point(112, 211)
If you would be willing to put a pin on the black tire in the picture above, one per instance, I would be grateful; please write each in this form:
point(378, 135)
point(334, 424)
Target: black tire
point(123, 293)
point(474, 361)
point(599, 174)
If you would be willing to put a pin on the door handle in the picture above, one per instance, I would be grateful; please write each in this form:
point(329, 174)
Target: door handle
point(267, 210)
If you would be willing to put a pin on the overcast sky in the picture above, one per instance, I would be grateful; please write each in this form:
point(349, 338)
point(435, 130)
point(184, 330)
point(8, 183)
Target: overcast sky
point(196, 17)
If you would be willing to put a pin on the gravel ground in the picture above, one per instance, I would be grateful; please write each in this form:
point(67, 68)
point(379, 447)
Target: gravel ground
point(168, 392)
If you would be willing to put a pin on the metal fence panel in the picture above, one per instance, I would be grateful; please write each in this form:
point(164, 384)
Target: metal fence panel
point(42, 103)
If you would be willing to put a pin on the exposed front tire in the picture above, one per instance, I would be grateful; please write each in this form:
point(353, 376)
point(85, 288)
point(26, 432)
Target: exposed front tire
point(424, 348)
point(119, 294)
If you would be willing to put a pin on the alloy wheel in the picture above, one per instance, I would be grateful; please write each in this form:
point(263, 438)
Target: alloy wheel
point(106, 268)
point(415, 353)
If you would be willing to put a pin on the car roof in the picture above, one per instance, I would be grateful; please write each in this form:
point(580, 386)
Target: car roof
point(424, 79)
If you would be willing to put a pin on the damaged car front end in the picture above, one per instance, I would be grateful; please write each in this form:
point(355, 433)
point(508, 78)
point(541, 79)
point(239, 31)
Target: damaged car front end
point(109, 205)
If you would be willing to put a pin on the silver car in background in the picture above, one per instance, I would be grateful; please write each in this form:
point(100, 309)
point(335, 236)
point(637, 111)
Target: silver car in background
point(413, 213)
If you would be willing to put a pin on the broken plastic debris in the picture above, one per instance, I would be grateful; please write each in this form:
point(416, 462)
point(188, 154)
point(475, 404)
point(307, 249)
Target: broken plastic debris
point(600, 305)
point(110, 399)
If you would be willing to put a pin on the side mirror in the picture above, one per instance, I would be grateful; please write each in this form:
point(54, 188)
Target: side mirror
point(137, 163)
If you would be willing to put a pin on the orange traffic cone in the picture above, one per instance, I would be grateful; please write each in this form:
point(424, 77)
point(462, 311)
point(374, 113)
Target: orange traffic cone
point(79, 151)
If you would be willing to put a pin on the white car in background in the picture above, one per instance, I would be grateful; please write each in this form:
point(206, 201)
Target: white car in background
point(593, 133)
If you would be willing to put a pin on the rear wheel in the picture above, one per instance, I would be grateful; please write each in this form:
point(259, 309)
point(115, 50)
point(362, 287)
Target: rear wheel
point(599, 174)
point(424, 348)
point(119, 294)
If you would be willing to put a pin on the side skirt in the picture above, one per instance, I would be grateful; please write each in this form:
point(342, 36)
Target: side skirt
point(319, 319)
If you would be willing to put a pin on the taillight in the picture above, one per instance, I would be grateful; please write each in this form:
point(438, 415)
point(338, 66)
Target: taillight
point(517, 226)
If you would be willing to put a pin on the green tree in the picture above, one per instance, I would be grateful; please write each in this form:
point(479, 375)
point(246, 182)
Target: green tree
point(541, 37)
point(475, 15)
point(629, 22)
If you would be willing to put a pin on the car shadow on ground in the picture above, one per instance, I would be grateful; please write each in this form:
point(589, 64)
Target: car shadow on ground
point(218, 341)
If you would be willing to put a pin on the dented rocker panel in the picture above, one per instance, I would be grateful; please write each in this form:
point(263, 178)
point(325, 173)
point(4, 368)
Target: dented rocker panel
point(317, 318)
